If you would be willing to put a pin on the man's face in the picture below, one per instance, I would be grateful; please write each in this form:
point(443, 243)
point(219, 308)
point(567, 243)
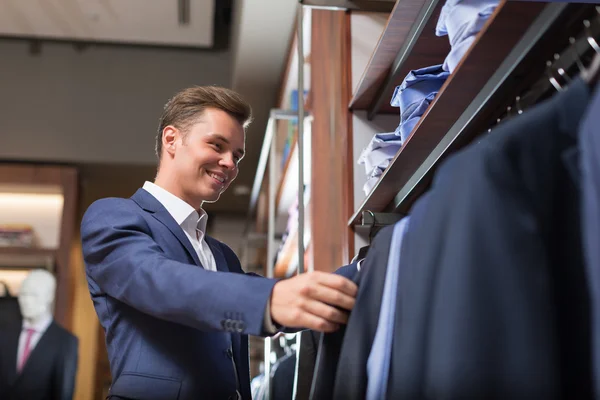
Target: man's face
point(205, 160)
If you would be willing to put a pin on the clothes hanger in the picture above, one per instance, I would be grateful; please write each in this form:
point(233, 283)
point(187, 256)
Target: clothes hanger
point(518, 105)
point(362, 252)
point(578, 61)
point(551, 77)
point(591, 74)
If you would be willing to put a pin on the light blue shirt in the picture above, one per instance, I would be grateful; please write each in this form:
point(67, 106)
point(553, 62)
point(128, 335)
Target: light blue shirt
point(378, 363)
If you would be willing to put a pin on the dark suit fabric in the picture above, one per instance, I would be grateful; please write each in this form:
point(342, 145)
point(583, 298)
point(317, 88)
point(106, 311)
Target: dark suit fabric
point(310, 344)
point(173, 329)
point(282, 381)
point(48, 374)
point(589, 147)
point(340, 371)
point(493, 302)
point(10, 314)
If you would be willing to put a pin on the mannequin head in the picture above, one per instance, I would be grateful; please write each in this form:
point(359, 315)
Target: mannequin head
point(36, 295)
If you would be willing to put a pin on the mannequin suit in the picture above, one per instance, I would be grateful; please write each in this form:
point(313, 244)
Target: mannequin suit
point(48, 372)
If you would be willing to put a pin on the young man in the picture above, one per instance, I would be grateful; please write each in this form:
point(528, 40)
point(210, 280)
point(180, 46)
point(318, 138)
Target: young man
point(174, 303)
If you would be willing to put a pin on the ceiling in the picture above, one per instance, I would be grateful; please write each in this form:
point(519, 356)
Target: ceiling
point(89, 78)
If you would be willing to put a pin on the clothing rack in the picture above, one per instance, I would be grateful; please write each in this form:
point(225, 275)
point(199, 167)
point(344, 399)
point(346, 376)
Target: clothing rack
point(558, 73)
point(562, 69)
point(509, 88)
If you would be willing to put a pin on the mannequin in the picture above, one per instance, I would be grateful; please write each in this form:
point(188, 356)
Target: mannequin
point(38, 358)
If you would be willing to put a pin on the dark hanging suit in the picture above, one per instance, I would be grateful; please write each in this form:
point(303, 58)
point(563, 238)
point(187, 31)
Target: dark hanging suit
point(9, 309)
point(341, 366)
point(493, 302)
point(48, 374)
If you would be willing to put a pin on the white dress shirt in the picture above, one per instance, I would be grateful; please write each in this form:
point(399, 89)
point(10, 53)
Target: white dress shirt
point(40, 327)
point(193, 223)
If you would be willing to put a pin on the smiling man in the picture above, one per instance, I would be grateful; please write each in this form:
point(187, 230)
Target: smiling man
point(175, 304)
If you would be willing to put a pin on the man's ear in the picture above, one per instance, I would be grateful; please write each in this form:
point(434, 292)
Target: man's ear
point(170, 134)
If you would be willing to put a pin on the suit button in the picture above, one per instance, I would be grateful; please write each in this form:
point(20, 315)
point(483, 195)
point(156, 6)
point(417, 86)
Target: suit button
point(229, 353)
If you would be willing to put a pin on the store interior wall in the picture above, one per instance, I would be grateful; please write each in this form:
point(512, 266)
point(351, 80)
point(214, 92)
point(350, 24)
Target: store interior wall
point(97, 104)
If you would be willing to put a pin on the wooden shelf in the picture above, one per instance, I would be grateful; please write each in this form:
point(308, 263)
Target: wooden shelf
point(501, 33)
point(408, 42)
point(25, 257)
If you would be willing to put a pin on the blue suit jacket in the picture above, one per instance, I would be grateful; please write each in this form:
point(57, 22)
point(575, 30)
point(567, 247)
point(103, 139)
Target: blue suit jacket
point(172, 328)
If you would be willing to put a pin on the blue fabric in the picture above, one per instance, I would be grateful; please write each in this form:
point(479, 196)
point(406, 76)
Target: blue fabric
point(377, 156)
point(378, 363)
point(589, 150)
point(166, 318)
point(461, 20)
point(414, 95)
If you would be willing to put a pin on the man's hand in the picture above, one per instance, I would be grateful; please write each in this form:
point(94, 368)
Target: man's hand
point(309, 301)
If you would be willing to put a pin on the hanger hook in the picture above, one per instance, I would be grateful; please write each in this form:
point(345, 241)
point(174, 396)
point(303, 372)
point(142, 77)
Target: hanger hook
point(590, 38)
point(372, 224)
point(551, 77)
point(572, 42)
point(518, 105)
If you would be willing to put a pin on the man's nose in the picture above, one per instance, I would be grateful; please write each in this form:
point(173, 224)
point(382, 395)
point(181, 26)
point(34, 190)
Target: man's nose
point(228, 162)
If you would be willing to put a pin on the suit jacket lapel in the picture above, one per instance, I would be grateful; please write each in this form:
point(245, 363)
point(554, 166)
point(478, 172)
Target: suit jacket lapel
point(217, 254)
point(40, 352)
point(147, 202)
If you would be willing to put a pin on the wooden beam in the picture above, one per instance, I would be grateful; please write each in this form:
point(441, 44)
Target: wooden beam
point(331, 181)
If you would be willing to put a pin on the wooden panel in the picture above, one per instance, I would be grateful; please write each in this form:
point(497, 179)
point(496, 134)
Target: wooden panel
point(493, 44)
point(393, 37)
point(64, 302)
point(331, 180)
point(30, 174)
point(428, 50)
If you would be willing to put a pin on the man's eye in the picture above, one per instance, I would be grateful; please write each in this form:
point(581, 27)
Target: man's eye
point(217, 146)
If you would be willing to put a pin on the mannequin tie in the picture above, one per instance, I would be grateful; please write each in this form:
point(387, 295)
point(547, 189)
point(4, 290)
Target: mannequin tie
point(27, 349)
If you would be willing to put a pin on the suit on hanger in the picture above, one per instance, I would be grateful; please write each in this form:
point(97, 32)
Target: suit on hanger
point(48, 374)
point(493, 301)
point(310, 344)
point(173, 329)
point(341, 366)
point(589, 148)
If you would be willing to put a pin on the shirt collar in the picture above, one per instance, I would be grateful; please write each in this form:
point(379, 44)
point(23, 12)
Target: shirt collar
point(184, 214)
point(40, 327)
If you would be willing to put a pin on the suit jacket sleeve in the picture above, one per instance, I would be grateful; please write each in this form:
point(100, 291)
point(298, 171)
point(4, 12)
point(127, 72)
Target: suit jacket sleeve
point(124, 262)
point(66, 370)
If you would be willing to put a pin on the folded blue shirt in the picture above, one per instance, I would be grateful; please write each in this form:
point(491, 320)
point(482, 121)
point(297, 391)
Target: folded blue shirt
point(414, 95)
point(377, 156)
point(461, 20)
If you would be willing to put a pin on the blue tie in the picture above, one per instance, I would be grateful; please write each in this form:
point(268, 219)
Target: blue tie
point(378, 363)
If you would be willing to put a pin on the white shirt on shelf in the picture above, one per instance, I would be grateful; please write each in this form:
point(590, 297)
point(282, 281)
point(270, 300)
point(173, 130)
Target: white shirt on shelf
point(40, 328)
